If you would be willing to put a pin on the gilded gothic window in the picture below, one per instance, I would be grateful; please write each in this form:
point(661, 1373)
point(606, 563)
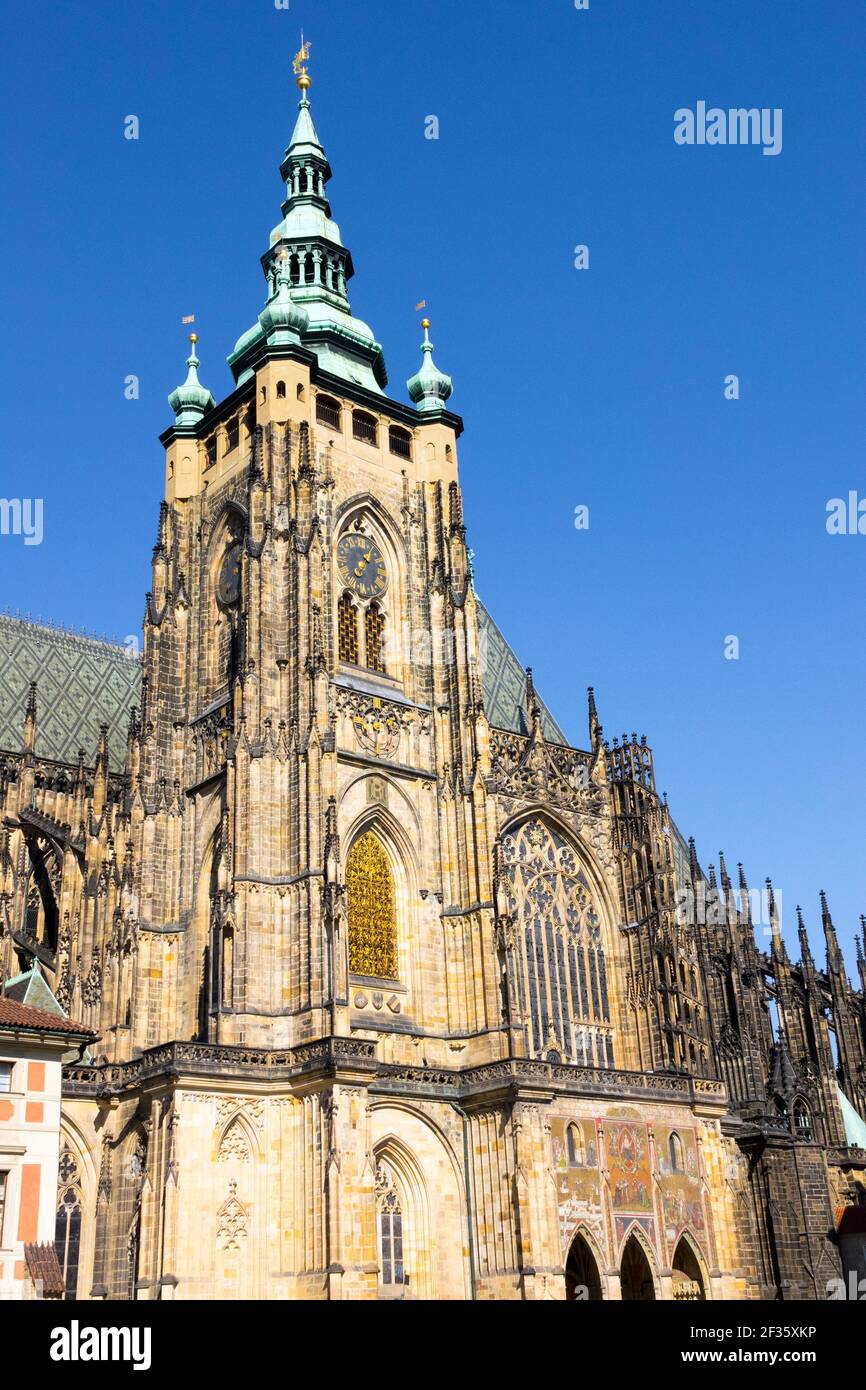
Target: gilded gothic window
point(374, 637)
point(390, 1211)
point(347, 624)
point(372, 909)
point(556, 961)
point(67, 1226)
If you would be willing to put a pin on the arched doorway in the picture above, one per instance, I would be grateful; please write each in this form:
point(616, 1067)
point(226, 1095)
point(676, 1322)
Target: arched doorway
point(582, 1282)
point(688, 1281)
point(635, 1275)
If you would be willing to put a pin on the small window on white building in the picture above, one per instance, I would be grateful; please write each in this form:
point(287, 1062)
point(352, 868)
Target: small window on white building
point(5, 1076)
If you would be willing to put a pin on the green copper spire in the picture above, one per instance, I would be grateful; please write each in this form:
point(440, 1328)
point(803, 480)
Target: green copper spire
point(429, 388)
point(190, 401)
point(306, 247)
point(282, 320)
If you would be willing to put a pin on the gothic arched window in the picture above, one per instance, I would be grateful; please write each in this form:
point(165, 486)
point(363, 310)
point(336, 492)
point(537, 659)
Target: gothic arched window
point(574, 1146)
point(372, 909)
point(557, 960)
point(67, 1225)
point(374, 637)
point(675, 1150)
point(802, 1119)
point(347, 629)
point(390, 1211)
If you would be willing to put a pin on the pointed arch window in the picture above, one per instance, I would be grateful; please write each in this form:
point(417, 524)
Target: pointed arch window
point(574, 1146)
point(675, 1151)
point(557, 960)
point(390, 1211)
point(374, 638)
point(347, 629)
point(372, 909)
point(802, 1120)
point(67, 1225)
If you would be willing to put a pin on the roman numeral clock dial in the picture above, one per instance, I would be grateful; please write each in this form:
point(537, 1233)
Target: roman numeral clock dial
point(361, 566)
point(229, 578)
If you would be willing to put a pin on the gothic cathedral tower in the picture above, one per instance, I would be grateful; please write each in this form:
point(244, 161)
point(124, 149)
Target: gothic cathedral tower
point(393, 994)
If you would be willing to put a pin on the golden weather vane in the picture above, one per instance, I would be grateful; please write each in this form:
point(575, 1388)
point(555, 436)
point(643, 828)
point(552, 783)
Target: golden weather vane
point(301, 58)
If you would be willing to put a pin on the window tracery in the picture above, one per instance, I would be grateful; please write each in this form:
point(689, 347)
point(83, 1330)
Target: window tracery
point(390, 1212)
point(67, 1225)
point(557, 960)
point(372, 909)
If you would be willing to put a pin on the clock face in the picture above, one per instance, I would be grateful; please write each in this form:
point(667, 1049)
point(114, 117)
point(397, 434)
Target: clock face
point(229, 578)
point(361, 565)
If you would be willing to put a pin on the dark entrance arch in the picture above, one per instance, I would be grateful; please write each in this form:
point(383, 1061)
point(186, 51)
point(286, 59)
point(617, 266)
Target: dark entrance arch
point(635, 1275)
point(688, 1280)
point(582, 1281)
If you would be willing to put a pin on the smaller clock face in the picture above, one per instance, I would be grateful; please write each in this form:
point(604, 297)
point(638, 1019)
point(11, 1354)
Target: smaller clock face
point(361, 565)
point(229, 578)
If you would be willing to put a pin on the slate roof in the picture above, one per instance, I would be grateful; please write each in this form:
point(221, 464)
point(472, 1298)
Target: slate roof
point(504, 683)
point(81, 683)
point(15, 1015)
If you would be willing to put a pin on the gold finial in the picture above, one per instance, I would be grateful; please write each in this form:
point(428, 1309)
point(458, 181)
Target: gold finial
point(301, 58)
point(193, 337)
point(425, 323)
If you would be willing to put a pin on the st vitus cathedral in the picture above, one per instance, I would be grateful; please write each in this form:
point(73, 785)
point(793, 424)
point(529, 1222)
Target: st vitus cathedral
point(394, 996)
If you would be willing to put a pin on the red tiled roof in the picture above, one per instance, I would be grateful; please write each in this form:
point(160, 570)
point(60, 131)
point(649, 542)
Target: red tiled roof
point(44, 1269)
point(15, 1015)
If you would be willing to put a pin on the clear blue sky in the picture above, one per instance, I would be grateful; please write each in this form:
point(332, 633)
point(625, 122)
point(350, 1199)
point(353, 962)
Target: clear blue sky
point(602, 387)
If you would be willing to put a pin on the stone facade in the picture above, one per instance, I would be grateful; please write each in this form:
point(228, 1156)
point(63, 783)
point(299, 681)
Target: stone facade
point(559, 1084)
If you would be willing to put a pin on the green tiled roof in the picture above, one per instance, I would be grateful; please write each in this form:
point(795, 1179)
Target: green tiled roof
point(504, 683)
point(81, 684)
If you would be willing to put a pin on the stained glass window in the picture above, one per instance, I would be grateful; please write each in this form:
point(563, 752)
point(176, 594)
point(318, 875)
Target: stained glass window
point(347, 623)
point(372, 909)
point(557, 962)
